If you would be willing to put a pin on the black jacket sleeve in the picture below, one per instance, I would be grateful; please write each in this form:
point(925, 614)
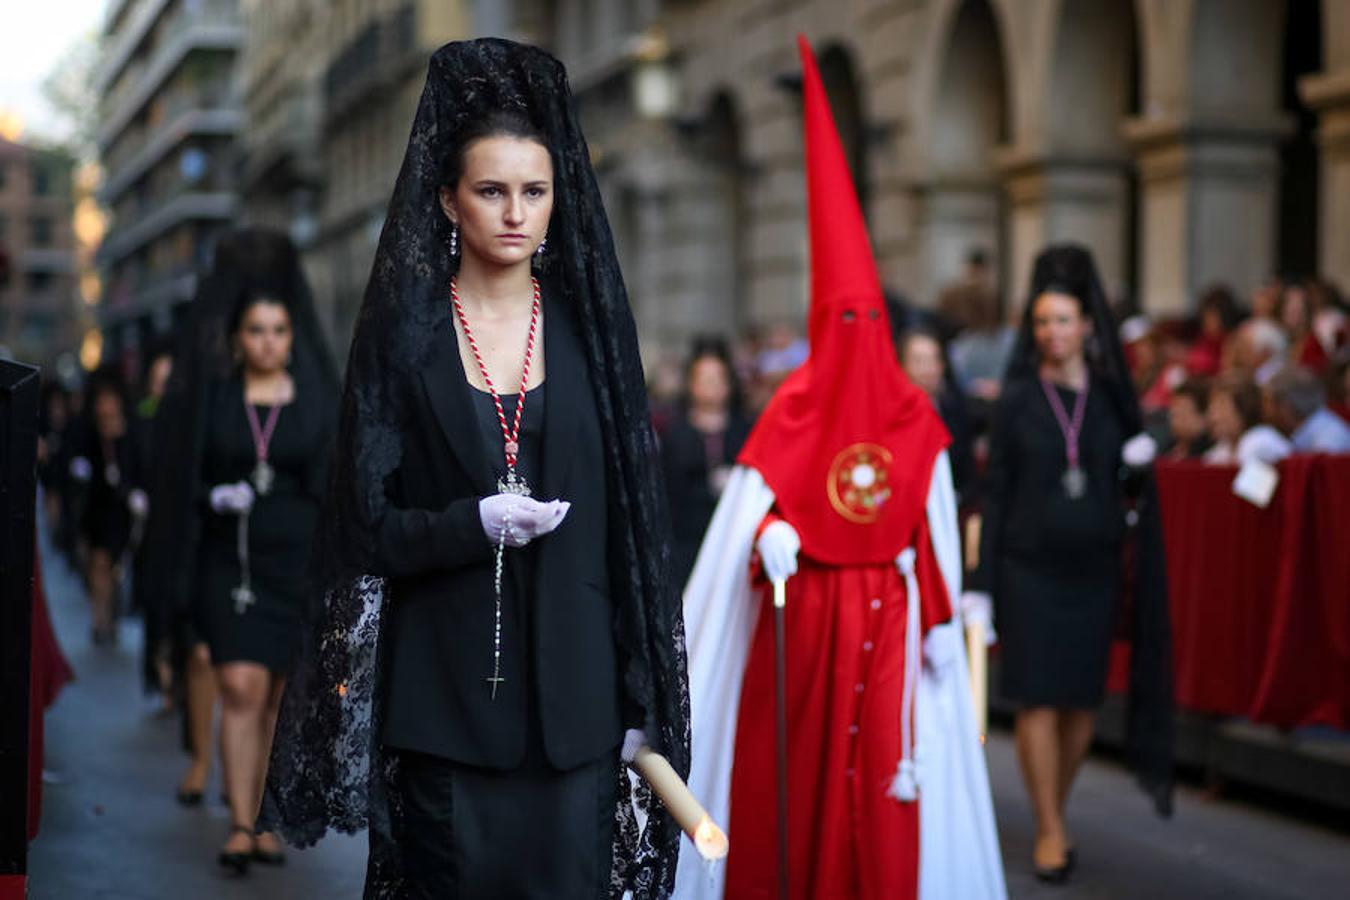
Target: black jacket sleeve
point(419, 541)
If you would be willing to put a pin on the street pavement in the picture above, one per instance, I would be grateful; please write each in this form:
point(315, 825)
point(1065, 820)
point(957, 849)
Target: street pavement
point(111, 829)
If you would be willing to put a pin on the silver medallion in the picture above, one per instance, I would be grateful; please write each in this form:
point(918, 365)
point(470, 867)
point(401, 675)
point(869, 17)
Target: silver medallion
point(112, 475)
point(513, 484)
point(263, 477)
point(1075, 482)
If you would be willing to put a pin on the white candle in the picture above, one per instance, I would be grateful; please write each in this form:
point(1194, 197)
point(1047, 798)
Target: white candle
point(655, 769)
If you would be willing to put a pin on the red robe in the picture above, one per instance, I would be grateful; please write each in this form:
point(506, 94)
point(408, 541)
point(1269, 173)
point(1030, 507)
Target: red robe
point(848, 837)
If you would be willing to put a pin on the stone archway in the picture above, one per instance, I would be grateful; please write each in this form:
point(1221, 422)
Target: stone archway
point(1072, 180)
point(967, 118)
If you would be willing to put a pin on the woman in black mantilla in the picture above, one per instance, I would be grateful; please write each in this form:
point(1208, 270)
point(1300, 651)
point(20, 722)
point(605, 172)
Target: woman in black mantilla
point(248, 420)
point(499, 627)
point(1069, 481)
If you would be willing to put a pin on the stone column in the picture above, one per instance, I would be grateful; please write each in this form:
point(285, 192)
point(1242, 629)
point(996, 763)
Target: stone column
point(1053, 199)
point(956, 215)
point(1329, 95)
point(1208, 205)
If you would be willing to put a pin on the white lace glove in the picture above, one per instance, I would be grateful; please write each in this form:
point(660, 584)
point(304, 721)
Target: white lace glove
point(138, 502)
point(778, 547)
point(530, 519)
point(634, 739)
point(234, 498)
point(1139, 451)
point(81, 469)
point(977, 607)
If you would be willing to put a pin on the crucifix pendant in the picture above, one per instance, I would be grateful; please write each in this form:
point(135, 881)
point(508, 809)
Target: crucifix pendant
point(243, 598)
point(494, 680)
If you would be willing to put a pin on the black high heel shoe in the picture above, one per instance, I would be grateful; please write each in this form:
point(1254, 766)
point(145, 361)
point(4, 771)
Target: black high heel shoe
point(188, 798)
point(268, 857)
point(237, 863)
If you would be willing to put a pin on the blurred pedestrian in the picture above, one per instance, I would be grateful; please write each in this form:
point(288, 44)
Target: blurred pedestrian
point(475, 703)
point(924, 360)
point(1055, 523)
point(112, 502)
point(1295, 314)
point(1236, 423)
point(251, 407)
point(1298, 408)
point(1188, 429)
point(1219, 316)
point(699, 447)
point(157, 665)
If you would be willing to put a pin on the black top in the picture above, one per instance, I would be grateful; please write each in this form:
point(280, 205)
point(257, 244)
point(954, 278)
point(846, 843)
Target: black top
point(529, 462)
point(281, 525)
point(1027, 511)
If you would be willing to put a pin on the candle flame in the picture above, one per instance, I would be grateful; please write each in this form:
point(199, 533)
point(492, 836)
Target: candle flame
point(710, 840)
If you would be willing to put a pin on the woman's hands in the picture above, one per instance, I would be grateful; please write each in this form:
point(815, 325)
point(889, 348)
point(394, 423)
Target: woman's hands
point(236, 498)
point(528, 518)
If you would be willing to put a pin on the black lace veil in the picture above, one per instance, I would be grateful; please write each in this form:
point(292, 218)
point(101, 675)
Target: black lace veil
point(248, 263)
point(1069, 269)
point(327, 770)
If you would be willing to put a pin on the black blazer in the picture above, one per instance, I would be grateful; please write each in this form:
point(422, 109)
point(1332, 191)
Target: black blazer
point(431, 545)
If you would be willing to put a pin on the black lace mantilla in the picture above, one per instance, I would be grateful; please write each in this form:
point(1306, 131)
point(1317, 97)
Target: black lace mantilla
point(327, 770)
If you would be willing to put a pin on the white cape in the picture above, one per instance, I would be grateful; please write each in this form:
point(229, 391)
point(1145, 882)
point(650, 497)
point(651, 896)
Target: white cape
point(958, 844)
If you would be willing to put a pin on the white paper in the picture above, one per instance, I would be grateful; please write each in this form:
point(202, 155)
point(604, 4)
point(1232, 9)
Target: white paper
point(1256, 482)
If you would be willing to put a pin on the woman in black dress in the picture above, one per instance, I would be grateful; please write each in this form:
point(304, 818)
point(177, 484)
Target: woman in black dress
point(111, 501)
point(699, 447)
point(248, 420)
point(509, 566)
point(1065, 473)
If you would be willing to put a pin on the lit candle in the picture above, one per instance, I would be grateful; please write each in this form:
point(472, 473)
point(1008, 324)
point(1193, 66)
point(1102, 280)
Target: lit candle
point(709, 839)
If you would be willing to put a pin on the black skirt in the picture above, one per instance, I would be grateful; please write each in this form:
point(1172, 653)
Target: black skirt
point(467, 833)
point(1056, 617)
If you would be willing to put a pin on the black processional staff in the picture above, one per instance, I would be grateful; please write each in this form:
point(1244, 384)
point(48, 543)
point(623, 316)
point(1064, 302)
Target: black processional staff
point(780, 684)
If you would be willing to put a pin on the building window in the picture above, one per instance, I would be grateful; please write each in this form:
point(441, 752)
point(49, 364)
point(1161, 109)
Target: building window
point(39, 282)
point(42, 181)
point(40, 231)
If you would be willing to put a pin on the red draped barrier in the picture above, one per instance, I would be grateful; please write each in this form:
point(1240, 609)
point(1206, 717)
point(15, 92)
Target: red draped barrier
point(1260, 598)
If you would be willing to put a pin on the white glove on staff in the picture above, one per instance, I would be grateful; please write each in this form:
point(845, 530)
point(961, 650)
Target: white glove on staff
point(778, 547)
point(1139, 451)
point(977, 607)
point(530, 519)
point(234, 498)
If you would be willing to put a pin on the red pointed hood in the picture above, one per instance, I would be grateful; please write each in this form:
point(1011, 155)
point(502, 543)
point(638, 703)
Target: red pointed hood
point(847, 443)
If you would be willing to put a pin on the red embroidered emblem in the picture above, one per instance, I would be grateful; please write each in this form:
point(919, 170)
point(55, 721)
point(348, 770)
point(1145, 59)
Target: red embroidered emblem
point(860, 482)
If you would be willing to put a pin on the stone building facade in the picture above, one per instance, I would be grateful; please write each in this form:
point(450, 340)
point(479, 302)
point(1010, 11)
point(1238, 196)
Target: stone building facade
point(330, 88)
point(169, 117)
point(1186, 141)
point(39, 298)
